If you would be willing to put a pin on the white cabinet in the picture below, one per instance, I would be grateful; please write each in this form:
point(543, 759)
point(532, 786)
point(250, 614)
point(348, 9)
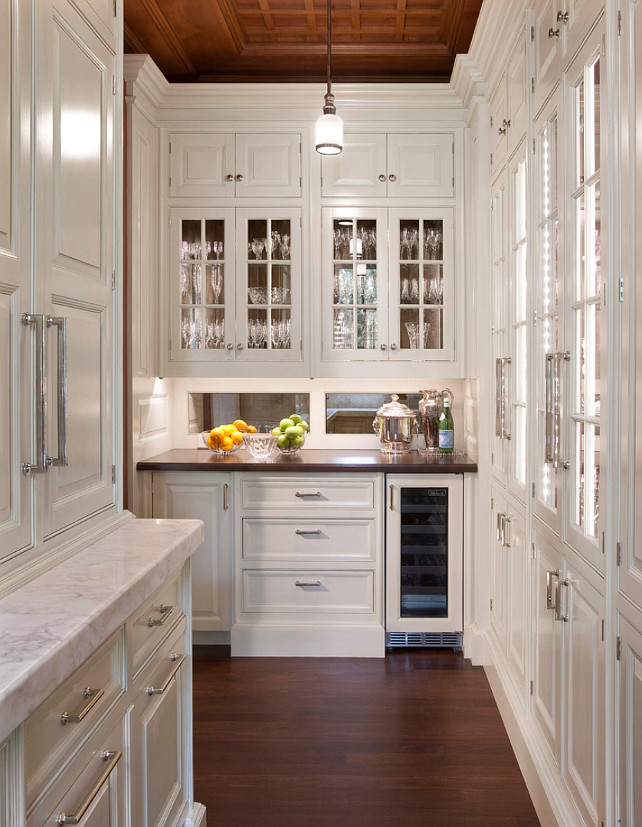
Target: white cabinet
point(308, 565)
point(206, 497)
point(388, 289)
point(235, 287)
point(629, 734)
point(509, 106)
point(394, 165)
point(214, 165)
point(424, 553)
point(568, 673)
point(58, 233)
point(509, 586)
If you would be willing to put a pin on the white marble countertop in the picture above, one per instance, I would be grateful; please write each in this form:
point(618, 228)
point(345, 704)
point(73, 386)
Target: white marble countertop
point(52, 624)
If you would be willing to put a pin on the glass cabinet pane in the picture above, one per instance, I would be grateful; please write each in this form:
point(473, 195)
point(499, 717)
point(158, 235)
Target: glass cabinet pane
point(424, 552)
point(421, 283)
point(269, 284)
point(202, 283)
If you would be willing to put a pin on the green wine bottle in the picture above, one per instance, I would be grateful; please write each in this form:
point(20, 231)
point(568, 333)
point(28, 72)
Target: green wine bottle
point(446, 429)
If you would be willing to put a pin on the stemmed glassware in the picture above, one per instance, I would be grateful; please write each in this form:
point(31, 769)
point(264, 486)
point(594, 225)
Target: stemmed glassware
point(192, 333)
point(215, 334)
point(217, 248)
point(257, 246)
point(412, 328)
point(432, 241)
point(217, 282)
point(257, 334)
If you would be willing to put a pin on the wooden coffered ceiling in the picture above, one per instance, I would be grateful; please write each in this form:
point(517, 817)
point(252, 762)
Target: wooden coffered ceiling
point(285, 40)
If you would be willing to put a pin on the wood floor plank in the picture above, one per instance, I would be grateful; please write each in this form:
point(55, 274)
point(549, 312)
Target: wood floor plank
point(410, 740)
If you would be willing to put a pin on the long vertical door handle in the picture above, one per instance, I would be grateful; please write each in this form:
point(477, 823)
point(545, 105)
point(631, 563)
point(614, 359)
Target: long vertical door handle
point(549, 453)
point(61, 392)
point(558, 608)
point(505, 402)
point(550, 573)
point(392, 498)
point(499, 383)
point(225, 504)
point(40, 464)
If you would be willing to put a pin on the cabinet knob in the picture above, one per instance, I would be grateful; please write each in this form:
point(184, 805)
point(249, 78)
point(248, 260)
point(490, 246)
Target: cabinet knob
point(229, 177)
point(392, 177)
point(393, 346)
point(382, 177)
point(383, 347)
point(562, 17)
point(553, 32)
point(239, 346)
point(239, 177)
point(501, 130)
point(230, 346)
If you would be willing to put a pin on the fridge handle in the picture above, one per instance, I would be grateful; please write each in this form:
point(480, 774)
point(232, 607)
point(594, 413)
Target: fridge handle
point(392, 498)
point(549, 454)
point(61, 393)
point(40, 465)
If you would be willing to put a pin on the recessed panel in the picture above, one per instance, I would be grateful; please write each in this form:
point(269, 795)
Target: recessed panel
point(6, 121)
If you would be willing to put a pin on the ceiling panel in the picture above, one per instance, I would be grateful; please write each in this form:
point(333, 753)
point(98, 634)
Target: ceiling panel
point(285, 40)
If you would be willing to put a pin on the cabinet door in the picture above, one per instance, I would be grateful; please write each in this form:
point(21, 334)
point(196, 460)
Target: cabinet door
point(355, 285)
point(359, 170)
point(190, 497)
point(498, 130)
point(202, 285)
point(16, 340)
point(75, 220)
point(268, 165)
point(421, 165)
point(547, 643)
point(498, 569)
point(268, 285)
point(629, 687)
point(547, 50)
point(201, 164)
point(584, 769)
point(517, 563)
point(499, 327)
point(424, 553)
point(517, 85)
point(422, 290)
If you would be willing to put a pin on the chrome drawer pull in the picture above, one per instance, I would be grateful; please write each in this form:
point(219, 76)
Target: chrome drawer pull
point(165, 611)
point(304, 494)
point(550, 573)
point(303, 532)
point(302, 584)
point(113, 758)
point(89, 694)
point(178, 662)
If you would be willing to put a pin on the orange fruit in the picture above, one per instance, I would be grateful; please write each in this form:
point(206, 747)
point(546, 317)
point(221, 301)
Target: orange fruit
point(227, 443)
point(240, 425)
point(237, 438)
point(214, 439)
point(251, 429)
point(211, 442)
point(228, 430)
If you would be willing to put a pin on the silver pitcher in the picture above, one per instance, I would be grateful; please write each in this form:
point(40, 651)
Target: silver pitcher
point(393, 424)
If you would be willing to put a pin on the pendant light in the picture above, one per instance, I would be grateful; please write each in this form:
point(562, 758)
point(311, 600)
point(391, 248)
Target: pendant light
point(329, 126)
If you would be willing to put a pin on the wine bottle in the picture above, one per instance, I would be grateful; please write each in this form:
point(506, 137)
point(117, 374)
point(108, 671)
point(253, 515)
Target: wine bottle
point(446, 429)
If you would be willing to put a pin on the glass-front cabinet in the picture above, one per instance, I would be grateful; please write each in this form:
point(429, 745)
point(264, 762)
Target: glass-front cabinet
point(236, 292)
point(388, 289)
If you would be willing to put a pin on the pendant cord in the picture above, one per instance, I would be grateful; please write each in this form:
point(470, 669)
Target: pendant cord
point(329, 10)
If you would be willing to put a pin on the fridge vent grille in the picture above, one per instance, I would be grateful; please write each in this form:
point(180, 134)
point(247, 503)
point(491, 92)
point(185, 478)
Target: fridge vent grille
point(447, 640)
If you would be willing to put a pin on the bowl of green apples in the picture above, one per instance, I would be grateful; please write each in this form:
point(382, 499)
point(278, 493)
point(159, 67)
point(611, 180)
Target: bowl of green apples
point(290, 434)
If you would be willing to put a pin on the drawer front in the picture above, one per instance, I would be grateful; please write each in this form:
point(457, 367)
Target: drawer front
point(153, 621)
point(308, 591)
point(303, 540)
point(309, 494)
point(60, 723)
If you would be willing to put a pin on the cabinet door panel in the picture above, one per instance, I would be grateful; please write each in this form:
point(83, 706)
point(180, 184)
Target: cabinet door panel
point(517, 605)
point(517, 97)
point(421, 165)
point(547, 50)
point(497, 125)
point(199, 164)
point(357, 170)
point(498, 573)
point(629, 805)
point(268, 165)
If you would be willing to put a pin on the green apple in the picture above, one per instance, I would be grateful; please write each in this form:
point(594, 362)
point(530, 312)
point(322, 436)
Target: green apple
point(275, 431)
point(294, 430)
point(304, 425)
point(285, 423)
point(295, 418)
point(297, 442)
point(283, 441)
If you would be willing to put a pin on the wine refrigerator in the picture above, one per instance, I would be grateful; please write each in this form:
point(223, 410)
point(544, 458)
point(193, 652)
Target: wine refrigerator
point(424, 560)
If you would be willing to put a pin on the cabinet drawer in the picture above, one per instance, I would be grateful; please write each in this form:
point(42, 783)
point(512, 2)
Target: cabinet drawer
point(301, 539)
point(307, 493)
point(308, 591)
point(153, 621)
point(82, 699)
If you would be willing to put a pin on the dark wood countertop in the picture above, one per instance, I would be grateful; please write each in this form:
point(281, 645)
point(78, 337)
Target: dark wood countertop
point(309, 459)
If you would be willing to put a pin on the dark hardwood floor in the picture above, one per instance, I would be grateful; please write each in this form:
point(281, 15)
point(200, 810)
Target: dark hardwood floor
point(412, 739)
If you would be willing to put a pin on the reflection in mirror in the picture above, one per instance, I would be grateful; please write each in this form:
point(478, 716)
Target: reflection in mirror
point(265, 410)
point(352, 413)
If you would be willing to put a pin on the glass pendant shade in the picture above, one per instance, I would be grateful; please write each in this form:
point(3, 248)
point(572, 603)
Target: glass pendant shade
point(329, 134)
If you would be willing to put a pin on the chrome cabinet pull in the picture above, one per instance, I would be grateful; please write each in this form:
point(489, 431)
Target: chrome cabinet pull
point(498, 396)
point(382, 177)
point(61, 392)
point(506, 538)
point(239, 346)
point(562, 17)
point(307, 494)
point(40, 464)
point(501, 130)
point(88, 694)
point(553, 32)
point(392, 498)
point(229, 177)
point(113, 758)
point(550, 573)
point(230, 346)
point(239, 177)
point(383, 347)
point(392, 177)
point(303, 532)
point(558, 609)
point(158, 690)
point(500, 527)
point(225, 503)
point(303, 585)
point(553, 413)
point(165, 612)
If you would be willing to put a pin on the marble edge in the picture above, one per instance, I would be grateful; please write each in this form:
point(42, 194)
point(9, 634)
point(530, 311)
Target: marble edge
point(81, 635)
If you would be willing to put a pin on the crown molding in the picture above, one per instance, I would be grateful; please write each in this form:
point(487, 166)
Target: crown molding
point(495, 35)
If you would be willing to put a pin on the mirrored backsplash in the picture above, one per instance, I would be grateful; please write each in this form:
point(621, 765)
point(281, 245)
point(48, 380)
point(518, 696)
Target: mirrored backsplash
point(206, 410)
point(352, 413)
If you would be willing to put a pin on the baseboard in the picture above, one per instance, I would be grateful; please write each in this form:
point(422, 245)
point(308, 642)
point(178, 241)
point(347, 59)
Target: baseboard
point(474, 644)
point(210, 638)
point(308, 641)
point(552, 802)
point(197, 818)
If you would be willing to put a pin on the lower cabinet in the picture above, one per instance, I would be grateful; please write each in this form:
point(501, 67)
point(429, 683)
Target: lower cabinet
point(207, 497)
point(568, 672)
point(111, 746)
point(629, 705)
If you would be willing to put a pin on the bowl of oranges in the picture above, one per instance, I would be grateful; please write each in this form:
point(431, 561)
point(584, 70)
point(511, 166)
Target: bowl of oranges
point(226, 439)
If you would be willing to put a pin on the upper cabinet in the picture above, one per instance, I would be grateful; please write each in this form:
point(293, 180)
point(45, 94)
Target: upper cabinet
point(393, 165)
point(509, 106)
point(215, 165)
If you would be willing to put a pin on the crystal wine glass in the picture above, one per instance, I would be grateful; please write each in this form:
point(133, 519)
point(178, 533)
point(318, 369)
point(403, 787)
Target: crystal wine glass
point(258, 245)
